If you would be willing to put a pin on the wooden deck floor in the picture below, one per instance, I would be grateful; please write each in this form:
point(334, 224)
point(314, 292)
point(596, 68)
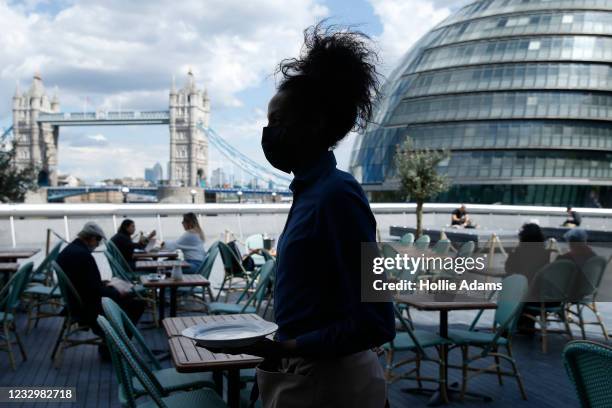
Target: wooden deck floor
point(544, 375)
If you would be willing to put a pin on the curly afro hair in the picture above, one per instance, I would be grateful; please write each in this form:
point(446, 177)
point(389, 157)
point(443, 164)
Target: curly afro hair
point(334, 80)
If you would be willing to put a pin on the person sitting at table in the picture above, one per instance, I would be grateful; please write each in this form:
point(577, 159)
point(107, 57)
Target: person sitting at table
point(579, 251)
point(79, 265)
point(124, 243)
point(323, 347)
point(191, 243)
point(573, 218)
point(527, 259)
point(460, 218)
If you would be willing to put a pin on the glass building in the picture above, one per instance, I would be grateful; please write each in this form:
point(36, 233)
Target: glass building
point(520, 91)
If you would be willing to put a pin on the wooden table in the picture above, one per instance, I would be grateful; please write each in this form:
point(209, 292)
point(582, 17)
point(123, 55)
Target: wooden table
point(14, 255)
point(189, 358)
point(156, 265)
point(427, 303)
point(190, 280)
point(154, 254)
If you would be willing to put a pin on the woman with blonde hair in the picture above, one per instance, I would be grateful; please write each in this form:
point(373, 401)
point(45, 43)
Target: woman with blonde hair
point(191, 243)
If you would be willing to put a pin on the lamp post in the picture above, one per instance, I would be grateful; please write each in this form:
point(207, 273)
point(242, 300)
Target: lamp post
point(193, 193)
point(239, 197)
point(125, 191)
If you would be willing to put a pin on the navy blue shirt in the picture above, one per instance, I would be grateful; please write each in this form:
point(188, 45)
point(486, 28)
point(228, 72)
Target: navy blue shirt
point(317, 289)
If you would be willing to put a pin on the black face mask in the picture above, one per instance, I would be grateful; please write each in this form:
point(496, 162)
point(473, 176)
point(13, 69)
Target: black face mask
point(277, 147)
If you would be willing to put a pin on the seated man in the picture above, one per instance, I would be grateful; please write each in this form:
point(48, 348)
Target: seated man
point(579, 251)
point(573, 218)
point(80, 267)
point(459, 218)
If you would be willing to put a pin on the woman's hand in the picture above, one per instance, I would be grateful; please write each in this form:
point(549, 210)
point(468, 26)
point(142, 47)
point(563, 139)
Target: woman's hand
point(265, 348)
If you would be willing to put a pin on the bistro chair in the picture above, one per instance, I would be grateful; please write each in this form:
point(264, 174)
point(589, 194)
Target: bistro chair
point(552, 289)
point(128, 365)
point(442, 246)
point(232, 265)
point(254, 300)
point(195, 293)
point(407, 239)
point(589, 367)
point(169, 379)
point(467, 249)
point(585, 294)
point(44, 294)
point(71, 333)
point(417, 342)
point(255, 243)
point(422, 243)
point(509, 306)
point(9, 301)
point(112, 248)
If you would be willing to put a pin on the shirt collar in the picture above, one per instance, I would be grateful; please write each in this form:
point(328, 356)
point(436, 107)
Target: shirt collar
point(304, 177)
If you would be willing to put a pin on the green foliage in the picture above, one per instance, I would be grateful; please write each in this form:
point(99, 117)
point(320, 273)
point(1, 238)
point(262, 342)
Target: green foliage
point(417, 171)
point(14, 182)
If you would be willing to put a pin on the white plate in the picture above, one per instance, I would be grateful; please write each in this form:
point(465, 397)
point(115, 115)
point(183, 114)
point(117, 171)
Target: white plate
point(229, 333)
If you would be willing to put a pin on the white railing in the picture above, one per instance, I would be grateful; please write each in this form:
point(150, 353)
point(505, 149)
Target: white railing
point(25, 224)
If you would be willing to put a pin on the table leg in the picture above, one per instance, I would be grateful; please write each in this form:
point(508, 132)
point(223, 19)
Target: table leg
point(233, 388)
point(162, 303)
point(441, 395)
point(218, 380)
point(173, 301)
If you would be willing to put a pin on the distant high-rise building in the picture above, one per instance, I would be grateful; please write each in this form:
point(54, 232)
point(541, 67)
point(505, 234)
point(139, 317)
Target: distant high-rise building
point(154, 174)
point(218, 178)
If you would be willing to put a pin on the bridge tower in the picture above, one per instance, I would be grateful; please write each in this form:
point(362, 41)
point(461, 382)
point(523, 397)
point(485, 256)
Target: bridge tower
point(188, 143)
point(36, 143)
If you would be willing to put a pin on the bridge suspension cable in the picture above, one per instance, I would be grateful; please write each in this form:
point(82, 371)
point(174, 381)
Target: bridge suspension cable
point(6, 133)
point(245, 163)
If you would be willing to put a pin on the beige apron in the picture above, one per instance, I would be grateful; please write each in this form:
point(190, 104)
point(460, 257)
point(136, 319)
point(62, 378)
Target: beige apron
point(353, 381)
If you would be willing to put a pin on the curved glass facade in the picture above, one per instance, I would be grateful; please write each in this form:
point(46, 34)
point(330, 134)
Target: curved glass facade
point(520, 91)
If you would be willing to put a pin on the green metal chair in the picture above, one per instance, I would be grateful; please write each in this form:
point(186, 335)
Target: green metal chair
point(233, 270)
point(407, 239)
point(44, 294)
point(422, 243)
point(256, 298)
point(509, 306)
point(110, 245)
point(589, 367)
point(169, 378)
point(552, 287)
point(417, 342)
point(71, 333)
point(442, 247)
point(10, 296)
point(585, 294)
point(128, 364)
point(467, 249)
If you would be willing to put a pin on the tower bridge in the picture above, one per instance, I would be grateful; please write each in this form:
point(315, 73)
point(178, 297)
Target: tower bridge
point(37, 120)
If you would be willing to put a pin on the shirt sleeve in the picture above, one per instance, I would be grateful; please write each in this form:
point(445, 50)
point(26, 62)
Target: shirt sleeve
point(177, 243)
point(347, 221)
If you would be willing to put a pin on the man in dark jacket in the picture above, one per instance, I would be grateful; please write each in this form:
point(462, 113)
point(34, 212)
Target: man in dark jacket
point(81, 269)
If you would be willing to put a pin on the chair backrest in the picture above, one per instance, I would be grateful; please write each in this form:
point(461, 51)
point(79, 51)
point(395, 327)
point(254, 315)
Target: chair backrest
point(422, 243)
point(110, 245)
point(510, 302)
point(406, 327)
point(266, 255)
point(129, 363)
point(442, 246)
point(590, 278)
point(589, 367)
point(117, 270)
point(16, 286)
point(232, 264)
point(209, 262)
point(466, 249)
point(67, 290)
point(265, 274)
point(45, 266)
point(553, 283)
point(121, 322)
point(254, 242)
point(407, 239)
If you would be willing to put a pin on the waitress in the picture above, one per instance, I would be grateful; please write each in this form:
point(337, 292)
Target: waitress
point(322, 355)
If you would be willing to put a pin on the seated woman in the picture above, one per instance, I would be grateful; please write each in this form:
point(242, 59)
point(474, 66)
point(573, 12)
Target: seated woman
point(123, 241)
point(191, 243)
point(527, 259)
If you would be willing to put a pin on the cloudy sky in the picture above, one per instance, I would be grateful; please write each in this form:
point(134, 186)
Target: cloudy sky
point(113, 54)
